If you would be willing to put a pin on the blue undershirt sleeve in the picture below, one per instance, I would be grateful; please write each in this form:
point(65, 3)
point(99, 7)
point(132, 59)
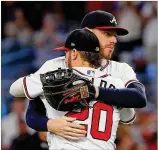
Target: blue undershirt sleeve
point(131, 97)
point(36, 115)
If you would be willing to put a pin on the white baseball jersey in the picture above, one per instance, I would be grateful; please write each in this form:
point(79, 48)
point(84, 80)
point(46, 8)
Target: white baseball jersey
point(119, 70)
point(101, 121)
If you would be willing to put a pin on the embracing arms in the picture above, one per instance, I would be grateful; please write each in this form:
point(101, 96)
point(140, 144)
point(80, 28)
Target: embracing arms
point(131, 97)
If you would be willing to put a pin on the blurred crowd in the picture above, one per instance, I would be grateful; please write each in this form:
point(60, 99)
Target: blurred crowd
point(29, 32)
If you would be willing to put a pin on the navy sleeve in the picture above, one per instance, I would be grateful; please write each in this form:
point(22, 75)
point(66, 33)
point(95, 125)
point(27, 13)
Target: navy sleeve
point(131, 97)
point(36, 115)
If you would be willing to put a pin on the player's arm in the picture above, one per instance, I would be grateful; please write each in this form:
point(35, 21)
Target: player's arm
point(16, 89)
point(36, 115)
point(131, 97)
point(36, 119)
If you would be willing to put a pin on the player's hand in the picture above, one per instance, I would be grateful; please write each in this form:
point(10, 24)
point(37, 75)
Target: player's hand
point(66, 127)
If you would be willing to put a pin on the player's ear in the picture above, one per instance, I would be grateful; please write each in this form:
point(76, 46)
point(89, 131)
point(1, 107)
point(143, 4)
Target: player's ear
point(74, 54)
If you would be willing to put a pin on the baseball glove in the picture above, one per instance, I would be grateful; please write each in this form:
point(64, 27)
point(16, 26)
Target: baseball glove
point(66, 91)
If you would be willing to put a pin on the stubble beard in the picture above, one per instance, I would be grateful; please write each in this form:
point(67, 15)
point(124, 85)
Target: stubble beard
point(104, 56)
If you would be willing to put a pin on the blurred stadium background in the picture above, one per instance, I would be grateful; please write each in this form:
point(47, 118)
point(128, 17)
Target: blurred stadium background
point(29, 30)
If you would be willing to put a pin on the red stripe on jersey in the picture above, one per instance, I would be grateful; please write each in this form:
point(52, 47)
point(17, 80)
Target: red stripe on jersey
point(25, 88)
point(103, 67)
point(131, 81)
point(104, 76)
point(129, 120)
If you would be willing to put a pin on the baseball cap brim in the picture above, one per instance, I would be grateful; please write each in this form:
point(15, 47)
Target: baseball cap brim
point(119, 31)
point(63, 48)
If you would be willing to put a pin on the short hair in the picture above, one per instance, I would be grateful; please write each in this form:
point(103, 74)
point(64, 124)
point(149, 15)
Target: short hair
point(92, 58)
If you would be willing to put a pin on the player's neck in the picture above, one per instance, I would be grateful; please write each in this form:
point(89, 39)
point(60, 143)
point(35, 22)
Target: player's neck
point(83, 64)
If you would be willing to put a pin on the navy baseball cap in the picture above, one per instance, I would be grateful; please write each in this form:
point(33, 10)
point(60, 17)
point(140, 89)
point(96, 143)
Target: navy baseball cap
point(102, 20)
point(81, 40)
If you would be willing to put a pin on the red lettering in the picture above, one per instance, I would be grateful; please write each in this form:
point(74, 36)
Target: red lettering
point(94, 129)
point(74, 98)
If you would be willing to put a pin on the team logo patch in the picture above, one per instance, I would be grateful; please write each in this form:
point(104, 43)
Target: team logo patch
point(113, 20)
point(84, 92)
point(90, 72)
point(72, 44)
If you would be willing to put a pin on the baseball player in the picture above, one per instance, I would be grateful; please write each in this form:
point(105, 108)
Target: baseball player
point(100, 120)
point(104, 26)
